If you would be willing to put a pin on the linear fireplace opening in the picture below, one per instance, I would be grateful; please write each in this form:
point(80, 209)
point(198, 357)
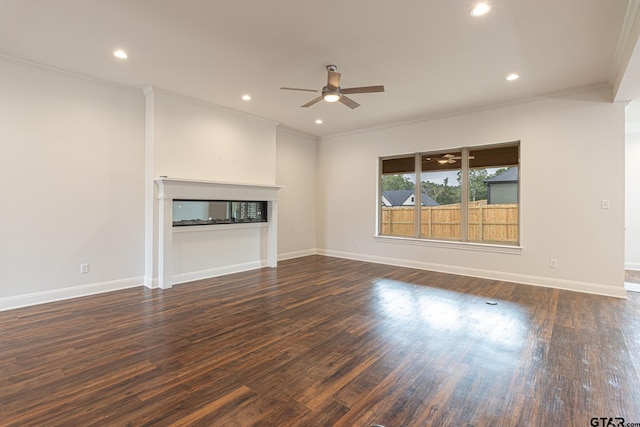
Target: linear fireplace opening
point(207, 212)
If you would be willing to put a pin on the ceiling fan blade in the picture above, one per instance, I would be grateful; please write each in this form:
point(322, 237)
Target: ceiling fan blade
point(333, 81)
point(312, 102)
point(295, 88)
point(349, 102)
point(363, 89)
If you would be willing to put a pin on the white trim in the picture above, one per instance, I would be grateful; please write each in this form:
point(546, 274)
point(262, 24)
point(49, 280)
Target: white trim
point(151, 283)
point(218, 271)
point(632, 287)
point(625, 45)
point(628, 265)
point(72, 74)
point(150, 221)
point(297, 254)
point(206, 187)
point(547, 282)
point(18, 301)
point(469, 110)
point(170, 189)
point(469, 246)
point(219, 227)
point(294, 132)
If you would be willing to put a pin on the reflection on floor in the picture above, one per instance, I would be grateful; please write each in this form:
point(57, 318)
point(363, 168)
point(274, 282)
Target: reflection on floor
point(632, 280)
point(632, 276)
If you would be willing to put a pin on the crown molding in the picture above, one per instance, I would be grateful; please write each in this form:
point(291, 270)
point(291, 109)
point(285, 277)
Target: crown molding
point(38, 65)
point(627, 41)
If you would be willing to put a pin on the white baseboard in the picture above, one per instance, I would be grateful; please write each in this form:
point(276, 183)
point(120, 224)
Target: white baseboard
point(151, 283)
point(632, 287)
point(218, 271)
point(18, 301)
point(297, 254)
point(569, 285)
point(628, 265)
point(8, 303)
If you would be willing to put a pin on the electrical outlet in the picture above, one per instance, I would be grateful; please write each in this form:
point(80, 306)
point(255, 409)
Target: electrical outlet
point(604, 204)
point(553, 263)
point(84, 268)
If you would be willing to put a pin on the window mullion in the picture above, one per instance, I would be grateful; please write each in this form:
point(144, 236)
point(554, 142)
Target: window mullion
point(464, 195)
point(417, 196)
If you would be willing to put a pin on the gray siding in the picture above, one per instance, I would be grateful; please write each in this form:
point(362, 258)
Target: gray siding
point(503, 193)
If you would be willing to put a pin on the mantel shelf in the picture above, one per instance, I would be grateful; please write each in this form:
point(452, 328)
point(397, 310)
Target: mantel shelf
point(165, 179)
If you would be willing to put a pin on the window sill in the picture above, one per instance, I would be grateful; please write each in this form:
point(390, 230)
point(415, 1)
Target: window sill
point(467, 246)
point(218, 227)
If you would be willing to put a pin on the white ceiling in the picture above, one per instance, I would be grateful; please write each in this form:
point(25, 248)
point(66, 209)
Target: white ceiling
point(432, 57)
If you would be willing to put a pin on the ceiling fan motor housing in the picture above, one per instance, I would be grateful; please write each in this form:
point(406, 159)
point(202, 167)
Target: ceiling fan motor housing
point(328, 92)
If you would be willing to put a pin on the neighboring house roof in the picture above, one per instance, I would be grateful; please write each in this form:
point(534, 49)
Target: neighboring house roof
point(400, 198)
point(428, 201)
point(510, 175)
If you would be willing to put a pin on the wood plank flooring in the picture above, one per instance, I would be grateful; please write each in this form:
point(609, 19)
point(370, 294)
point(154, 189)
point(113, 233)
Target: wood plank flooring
point(323, 341)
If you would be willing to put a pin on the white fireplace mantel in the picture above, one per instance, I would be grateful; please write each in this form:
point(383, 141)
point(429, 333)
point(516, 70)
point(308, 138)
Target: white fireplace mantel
point(170, 189)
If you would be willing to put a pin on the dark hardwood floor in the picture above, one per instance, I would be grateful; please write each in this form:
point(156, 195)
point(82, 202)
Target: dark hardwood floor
point(322, 341)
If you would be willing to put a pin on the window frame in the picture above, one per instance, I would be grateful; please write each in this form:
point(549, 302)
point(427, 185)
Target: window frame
point(463, 242)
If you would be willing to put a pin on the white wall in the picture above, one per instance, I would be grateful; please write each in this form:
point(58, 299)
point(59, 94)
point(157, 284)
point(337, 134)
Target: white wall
point(632, 197)
point(192, 139)
point(71, 156)
point(567, 149)
point(296, 171)
point(198, 140)
point(212, 251)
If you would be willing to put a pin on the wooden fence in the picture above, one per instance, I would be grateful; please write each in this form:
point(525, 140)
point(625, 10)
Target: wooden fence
point(487, 223)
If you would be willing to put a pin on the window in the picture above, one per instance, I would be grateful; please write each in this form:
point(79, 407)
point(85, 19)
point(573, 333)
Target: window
point(465, 194)
point(398, 197)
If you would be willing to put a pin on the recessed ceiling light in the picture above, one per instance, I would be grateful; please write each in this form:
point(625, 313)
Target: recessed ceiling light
point(120, 54)
point(319, 121)
point(512, 77)
point(246, 97)
point(480, 9)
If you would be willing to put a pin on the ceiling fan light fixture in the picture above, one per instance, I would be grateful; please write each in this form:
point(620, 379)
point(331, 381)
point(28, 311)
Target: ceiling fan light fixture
point(331, 96)
point(443, 161)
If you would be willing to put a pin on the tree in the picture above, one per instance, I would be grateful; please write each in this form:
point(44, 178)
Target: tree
point(477, 187)
point(396, 182)
point(444, 193)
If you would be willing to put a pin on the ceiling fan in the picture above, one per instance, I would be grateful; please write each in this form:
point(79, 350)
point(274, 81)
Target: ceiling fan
point(332, 92)
point(447, 158)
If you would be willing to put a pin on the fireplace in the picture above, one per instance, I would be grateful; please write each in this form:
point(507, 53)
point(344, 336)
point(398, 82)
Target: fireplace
point(209, 207)
point(187, 213)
